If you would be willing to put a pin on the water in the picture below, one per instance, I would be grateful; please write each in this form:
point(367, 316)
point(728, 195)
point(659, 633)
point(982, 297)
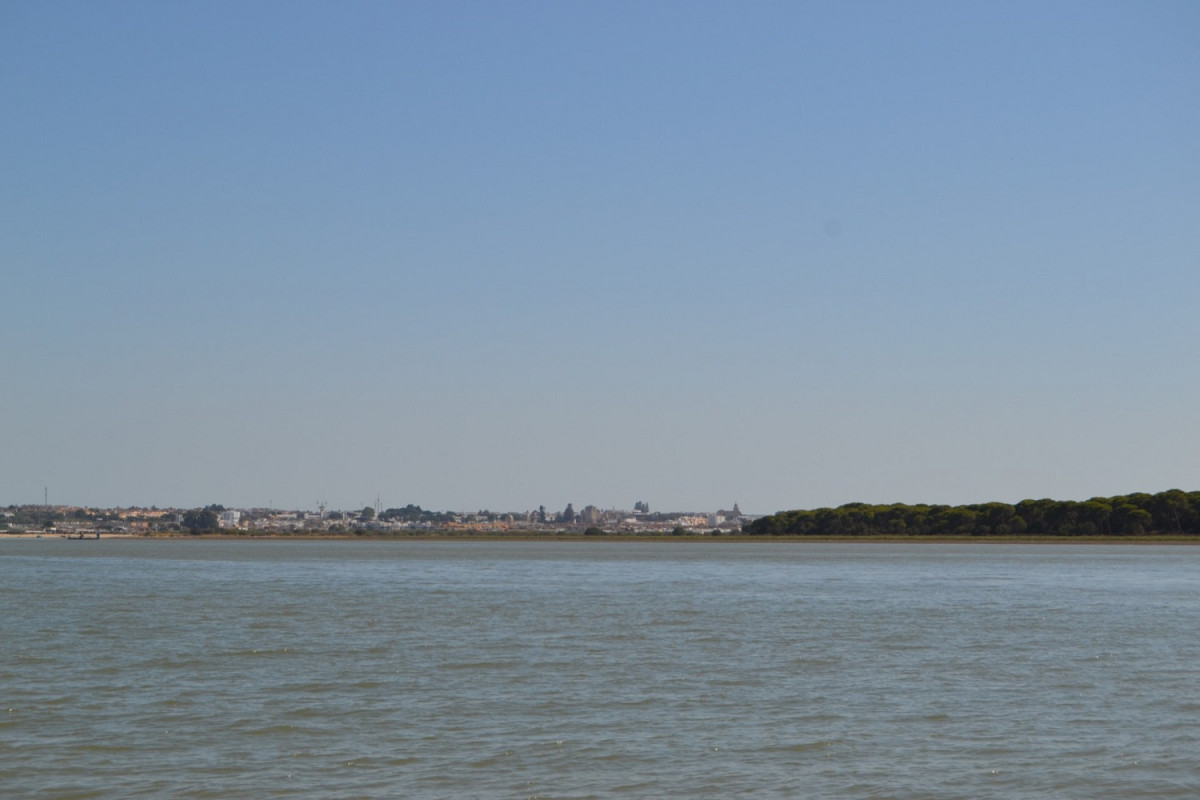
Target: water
point(210, 669)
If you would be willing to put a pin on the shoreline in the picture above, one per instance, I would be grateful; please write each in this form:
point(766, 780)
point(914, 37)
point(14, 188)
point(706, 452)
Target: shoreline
point(736, 538)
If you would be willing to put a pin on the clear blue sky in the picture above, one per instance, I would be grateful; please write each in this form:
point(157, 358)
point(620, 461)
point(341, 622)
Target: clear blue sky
point(504, 254)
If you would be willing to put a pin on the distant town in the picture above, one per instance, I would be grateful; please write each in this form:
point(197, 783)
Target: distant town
point(1170, 513)
point(86, 522)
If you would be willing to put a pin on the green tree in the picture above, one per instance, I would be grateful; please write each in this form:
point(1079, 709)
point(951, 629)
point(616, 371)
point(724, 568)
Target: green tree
point(954, 520)
point(1169, 508)
point(1132, 521)
point(1096, 516)
point(995, 517)
point(200, 520)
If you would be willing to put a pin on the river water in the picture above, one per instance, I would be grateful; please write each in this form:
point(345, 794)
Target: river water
point(426, 669)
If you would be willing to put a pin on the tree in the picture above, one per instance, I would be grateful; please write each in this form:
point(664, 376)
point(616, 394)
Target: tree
point(995, 517)
point(1169, 509)
point(1096, 516)
point(410, 513)
point(1133, 521)
point(200, 520)
point(367, 514)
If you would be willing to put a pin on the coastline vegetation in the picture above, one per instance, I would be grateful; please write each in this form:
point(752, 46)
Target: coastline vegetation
point(667, 536)
point(1172, 516)
point(1173, 513)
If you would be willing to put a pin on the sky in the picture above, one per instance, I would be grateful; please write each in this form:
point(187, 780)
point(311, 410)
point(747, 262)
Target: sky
point(497, 255)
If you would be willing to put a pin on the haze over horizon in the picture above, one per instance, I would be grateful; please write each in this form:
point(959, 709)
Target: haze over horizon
point(503, 255)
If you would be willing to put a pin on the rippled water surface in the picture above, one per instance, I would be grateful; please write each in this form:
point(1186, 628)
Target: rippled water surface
point(215, 669)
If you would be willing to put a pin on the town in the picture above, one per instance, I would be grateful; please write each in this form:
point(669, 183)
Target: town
point(71, 521)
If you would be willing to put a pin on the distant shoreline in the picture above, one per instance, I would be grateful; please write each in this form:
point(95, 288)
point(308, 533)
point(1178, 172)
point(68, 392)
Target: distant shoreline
point(739, 538)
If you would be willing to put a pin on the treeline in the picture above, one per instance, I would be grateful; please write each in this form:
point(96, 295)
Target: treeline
point(414, 513)
point(1170, 512)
